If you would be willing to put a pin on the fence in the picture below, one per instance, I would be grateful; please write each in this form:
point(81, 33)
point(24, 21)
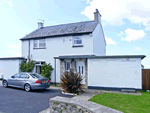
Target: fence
point(145, 79)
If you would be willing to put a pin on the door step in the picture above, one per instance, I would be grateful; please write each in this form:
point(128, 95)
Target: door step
point(128, 90)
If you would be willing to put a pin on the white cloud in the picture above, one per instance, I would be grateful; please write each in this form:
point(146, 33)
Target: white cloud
point(121, 33)
point(133, 35)
point(10, 3)
point(137, 48)
point(114, 11)
point(109, 41)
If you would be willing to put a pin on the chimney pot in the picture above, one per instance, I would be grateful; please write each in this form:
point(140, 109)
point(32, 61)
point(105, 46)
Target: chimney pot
point(97, 16)
point(40, 24)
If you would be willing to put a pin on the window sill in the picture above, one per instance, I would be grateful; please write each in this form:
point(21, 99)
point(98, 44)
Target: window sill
point(77, 46)
point(40, 48)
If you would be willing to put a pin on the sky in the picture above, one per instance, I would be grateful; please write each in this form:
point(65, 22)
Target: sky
point(126, 23)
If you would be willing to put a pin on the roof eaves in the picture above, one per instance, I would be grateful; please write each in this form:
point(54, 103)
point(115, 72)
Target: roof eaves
point(83, 33)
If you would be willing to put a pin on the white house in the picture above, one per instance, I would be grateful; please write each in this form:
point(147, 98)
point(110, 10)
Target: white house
point(82, 46)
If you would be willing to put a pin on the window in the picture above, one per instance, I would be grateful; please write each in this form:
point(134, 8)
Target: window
point(38, 66)
point(77, 40)
point(24, 76)
point(36, 75)
point(16, 76)
point(67, 66)
point(39, 43)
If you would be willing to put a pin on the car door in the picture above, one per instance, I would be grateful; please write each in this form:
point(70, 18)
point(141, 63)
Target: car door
point(22, 79)
point(13, 81)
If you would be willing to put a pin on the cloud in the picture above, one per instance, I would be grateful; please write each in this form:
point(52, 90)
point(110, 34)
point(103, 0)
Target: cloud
point(10, 3)
point(114, 11)
point(109, 41)
point(133, 35)
point(121, 33)
point(137, 48)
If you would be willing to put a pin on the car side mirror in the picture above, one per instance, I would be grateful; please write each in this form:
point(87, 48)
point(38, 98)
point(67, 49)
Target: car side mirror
point(12, 76)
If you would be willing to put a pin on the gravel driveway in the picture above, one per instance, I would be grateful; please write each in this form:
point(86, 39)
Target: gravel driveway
point(13, 100)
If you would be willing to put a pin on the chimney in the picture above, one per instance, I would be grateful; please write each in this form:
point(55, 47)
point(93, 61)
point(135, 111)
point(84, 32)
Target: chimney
point(40, 24)
point(97, 16)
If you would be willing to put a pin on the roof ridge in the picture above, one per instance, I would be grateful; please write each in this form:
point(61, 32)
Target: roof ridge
point(70, 23)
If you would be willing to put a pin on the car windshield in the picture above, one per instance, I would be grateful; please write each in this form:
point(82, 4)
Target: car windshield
point(36, 75)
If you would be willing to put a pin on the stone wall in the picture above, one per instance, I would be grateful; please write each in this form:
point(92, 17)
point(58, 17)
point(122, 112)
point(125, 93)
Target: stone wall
point(69, 105)
point(62, 67)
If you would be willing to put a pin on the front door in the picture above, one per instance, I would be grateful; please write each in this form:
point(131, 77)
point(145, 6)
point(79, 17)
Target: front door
point(80, 67)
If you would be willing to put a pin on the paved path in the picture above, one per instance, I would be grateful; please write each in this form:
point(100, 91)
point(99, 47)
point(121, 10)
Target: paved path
point(13, 100)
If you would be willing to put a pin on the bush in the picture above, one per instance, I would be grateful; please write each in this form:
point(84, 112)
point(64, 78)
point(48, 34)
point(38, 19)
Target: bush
point(46, 70)
point(71, 81)
point(27, 66)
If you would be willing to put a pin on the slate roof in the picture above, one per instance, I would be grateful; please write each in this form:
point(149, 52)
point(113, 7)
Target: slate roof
point(94, 56)
point(63, 29)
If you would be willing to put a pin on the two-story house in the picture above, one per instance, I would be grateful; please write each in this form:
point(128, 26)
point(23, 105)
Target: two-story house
point(82, 46)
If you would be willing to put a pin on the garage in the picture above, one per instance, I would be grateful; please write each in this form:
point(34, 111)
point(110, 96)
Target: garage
point(10, 66)
point(122, 72)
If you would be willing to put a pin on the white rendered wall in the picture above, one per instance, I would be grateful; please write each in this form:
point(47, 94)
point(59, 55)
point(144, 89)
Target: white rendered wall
point(57, 47)
point(116, 72)
point(99, 44)
point(9, 67)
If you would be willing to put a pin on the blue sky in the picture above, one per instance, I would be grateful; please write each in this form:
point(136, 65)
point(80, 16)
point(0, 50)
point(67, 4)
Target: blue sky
point(126, 24)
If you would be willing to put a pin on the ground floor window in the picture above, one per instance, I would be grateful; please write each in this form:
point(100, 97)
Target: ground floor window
point(38, 67)
point(67, 65)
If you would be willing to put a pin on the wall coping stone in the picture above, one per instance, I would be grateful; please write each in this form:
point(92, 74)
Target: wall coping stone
point(90, 106)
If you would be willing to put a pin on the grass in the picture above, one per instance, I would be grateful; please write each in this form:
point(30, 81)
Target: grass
point(125, 103)
point(57, 85)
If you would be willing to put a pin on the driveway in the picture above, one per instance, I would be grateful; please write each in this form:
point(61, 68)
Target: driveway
point(13, 100)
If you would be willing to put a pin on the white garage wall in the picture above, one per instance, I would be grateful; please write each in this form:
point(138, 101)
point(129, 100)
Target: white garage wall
point(9, 67)
point(115, 72)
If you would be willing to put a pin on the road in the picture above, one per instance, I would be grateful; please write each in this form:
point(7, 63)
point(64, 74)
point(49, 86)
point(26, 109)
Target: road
point(13, 100)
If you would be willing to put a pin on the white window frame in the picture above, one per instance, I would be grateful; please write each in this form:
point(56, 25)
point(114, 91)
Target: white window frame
point(76, 40)
point(38, 42)
point(39, 64)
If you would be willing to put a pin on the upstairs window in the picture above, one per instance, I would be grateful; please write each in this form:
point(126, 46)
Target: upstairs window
point(77, 41)
point(40, 43)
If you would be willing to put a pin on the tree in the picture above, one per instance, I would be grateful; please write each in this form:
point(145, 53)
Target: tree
point(46, 70)
point(27, 66)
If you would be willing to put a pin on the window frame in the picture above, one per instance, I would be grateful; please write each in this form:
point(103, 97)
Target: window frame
point(73, 40)
point(38, 42)
point(39, 64)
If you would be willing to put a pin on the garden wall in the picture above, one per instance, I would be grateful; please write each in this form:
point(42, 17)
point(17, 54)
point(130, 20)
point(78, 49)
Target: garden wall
point(68, 105)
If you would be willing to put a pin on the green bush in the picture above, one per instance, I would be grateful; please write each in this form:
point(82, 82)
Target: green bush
point(27, 66)
point(46, 70)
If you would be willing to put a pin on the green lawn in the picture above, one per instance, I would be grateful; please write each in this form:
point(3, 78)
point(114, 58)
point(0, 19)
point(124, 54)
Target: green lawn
point(125, 103)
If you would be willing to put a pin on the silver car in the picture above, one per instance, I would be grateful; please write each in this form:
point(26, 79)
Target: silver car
point(27, 81)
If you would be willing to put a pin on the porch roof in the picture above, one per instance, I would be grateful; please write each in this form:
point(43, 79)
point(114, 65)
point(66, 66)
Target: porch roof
point(94, 56)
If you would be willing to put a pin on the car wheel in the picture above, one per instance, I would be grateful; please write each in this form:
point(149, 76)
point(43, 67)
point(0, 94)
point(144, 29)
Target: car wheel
point(5, 84)
point(27, 87)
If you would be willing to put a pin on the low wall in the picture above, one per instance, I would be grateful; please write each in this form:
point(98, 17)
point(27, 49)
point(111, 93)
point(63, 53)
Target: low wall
point(68, 105)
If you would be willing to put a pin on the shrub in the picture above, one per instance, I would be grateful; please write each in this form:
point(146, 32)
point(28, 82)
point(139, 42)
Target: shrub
point(27, 66)
point(46, 70)
point(71, 81)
